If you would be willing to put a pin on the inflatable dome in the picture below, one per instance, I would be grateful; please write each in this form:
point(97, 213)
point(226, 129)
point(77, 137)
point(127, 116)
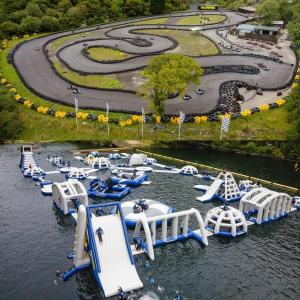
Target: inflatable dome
point(188, 170)
point(114, 155)
point(150, 161)
point(151, 208)
point(226, 221)
point(76, 173)
point(101, 163)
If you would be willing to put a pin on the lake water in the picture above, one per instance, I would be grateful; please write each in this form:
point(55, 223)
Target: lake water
point(35, 239)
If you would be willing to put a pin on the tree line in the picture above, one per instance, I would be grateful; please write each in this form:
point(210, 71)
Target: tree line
point(33, 16)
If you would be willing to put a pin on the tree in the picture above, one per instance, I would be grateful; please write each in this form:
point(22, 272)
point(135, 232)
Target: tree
point(9, 28)
point(168, 74)
point(157, 6)
point(293, 107)
point(10, 123)
point(50, 24)
point(31, 25)
point(133, 8)
point(270, 11)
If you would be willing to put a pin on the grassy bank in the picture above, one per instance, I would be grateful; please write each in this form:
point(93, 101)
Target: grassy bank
point(257, 127)
point(98, 81)
point(200, 20)
point(106, 54)
point(189, 44)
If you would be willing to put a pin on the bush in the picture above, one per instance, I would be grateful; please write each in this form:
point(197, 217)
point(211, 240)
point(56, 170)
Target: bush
point(11, 125)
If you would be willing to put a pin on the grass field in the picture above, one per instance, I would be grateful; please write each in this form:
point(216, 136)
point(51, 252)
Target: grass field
point(106, 54)
point(98, 81)
point(200, 20)
point(158, 21)
point(69, 38)
point(189, 44)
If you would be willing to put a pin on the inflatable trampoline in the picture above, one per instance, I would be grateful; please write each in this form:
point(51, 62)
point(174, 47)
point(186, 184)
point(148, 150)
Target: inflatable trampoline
point(151, 208)
point(130, 179)
point(35, 173)
point(105, 189)
point(76, 173)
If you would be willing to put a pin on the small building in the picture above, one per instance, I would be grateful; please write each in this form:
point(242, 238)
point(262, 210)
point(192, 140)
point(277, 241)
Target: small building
point(247, 10)
point(279, 24)
point(243, 29)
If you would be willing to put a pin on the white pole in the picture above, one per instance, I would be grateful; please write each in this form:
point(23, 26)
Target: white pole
point(76, 108)
point(107, 112)
point(179, 129)
point(107, 123)
point(221, 134)
point(142, 129)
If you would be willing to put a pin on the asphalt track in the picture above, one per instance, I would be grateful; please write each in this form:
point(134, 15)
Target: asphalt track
point(35, 69)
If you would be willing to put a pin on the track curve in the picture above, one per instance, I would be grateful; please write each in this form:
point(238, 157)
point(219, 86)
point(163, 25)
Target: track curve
point(36, 69)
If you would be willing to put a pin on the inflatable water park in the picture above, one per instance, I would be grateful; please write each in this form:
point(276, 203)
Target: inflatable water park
point(113, 228)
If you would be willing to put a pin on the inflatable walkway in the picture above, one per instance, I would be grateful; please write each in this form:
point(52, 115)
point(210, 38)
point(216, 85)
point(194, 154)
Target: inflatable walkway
point(212, 190)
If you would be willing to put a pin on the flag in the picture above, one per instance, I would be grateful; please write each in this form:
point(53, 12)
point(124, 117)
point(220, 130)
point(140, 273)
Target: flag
point(143, 115)
point(76, 104)
point(225, 124)
point(181, 117)
point(107, 107)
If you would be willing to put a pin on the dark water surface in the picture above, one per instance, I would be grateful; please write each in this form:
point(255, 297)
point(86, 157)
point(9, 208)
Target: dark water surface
point(35, 239)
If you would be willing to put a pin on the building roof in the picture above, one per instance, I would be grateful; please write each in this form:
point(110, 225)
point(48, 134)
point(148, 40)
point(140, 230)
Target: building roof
point(249, 27)
point(248, 8)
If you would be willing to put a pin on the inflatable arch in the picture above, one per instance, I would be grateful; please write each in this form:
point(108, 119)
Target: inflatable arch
point(263, 205)
point(150, 230)
point(68, 195)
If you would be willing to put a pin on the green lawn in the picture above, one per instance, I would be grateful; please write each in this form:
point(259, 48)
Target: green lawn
point(158, 21)
point(98, 81)
point(201, 20)
point(189, 44)
point(106, 54)
point(60, 41)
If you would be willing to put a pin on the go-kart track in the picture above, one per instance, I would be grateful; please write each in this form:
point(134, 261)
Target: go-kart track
point(230, 70)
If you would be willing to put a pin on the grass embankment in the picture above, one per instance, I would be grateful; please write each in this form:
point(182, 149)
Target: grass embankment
point(189, 44)
point(57, 43)
point(106, 54)
point(98, 81)
point(158, 21)
point(201, 20)
point(257, 127)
